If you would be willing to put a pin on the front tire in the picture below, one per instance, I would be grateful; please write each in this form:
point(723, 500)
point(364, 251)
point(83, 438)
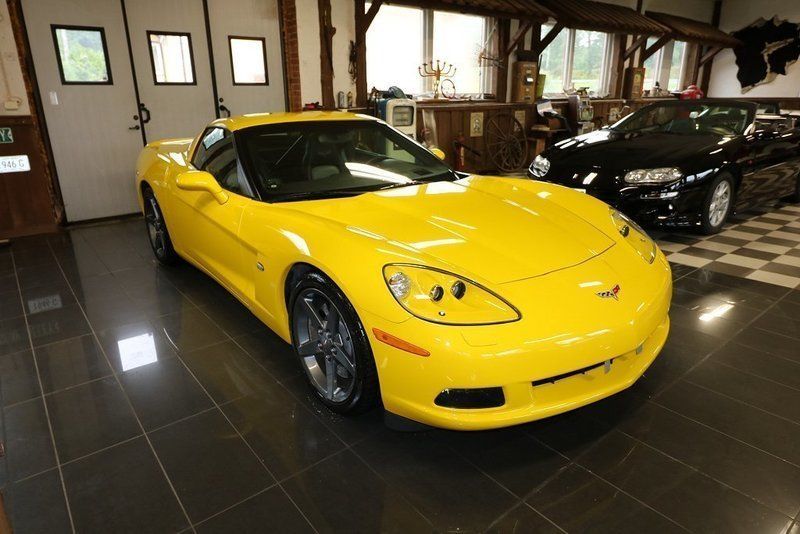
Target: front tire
point(332, 346)
point(717, 205)
point(157, 231)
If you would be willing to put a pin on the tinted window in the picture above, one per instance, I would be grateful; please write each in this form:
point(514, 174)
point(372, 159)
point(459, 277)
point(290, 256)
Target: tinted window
point(216, 154)
point(329, 158)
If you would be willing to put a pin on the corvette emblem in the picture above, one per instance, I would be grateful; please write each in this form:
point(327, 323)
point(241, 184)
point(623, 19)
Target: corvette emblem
point(610, 294)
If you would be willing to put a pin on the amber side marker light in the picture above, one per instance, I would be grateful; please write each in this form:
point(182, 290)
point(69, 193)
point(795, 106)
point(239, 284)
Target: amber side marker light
point(398, 343)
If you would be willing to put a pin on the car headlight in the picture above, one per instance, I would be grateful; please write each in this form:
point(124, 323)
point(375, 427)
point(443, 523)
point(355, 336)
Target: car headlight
point(635, 236)
point(446, 298)
point(661, 175)
point(540, 166)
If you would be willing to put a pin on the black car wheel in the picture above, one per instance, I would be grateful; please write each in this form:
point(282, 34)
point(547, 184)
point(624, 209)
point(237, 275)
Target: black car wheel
point(718, 204)
point(157, 231)
point(332, 346)
point(795, 198)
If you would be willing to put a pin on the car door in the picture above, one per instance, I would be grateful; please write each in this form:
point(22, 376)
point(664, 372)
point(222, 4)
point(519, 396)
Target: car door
point(213, 240)
point(770, 167)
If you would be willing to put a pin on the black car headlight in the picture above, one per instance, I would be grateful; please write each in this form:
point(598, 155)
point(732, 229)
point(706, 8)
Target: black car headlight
point(540, 166)
point(442, 297)
point(661, 175)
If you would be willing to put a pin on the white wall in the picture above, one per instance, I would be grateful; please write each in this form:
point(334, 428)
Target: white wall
point(343, 19)
point(12, 86)
point(736, 14)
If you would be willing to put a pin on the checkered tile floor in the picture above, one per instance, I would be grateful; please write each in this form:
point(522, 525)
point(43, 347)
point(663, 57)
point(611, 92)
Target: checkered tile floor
point(761, 245)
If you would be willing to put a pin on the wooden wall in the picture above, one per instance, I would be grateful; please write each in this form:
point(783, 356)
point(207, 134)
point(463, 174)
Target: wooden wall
point(26, 205)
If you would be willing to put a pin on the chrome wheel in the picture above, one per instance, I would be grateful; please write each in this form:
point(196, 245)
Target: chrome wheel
point(324, 344)
point(720, 203)
point(156, 230)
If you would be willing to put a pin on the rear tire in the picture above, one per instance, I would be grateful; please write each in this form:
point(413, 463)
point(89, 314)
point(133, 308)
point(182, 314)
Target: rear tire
point(157, 231)
point(718, 204)
point(332, 346)
point(795, 198)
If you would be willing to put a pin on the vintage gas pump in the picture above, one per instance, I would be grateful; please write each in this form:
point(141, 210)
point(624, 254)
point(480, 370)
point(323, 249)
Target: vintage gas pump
point(394, 107)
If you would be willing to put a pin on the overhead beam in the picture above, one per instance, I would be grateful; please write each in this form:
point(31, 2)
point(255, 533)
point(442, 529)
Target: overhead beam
point(635, 45)
point(709, 55)
point(518, 37)
point(547, 39)
point(653, 48)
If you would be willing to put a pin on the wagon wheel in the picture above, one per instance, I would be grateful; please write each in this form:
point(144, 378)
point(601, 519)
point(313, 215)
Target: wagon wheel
point(506, 142)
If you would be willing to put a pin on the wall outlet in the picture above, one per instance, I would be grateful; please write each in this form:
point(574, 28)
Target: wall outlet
point(476, 124)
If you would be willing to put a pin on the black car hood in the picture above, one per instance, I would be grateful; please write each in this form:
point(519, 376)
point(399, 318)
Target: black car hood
point(617, 151)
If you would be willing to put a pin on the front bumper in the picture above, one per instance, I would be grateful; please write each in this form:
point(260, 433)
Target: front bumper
point(524, 358)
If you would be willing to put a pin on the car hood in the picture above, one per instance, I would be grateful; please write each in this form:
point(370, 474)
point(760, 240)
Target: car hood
point(498, 231)
point(625, 151)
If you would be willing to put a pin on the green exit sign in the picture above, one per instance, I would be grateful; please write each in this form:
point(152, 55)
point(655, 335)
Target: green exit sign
point(6, 136)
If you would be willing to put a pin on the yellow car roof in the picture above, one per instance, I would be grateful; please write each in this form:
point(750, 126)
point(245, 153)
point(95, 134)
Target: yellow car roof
point(256, 119)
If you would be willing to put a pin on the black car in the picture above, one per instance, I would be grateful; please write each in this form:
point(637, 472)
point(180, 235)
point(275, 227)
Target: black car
point(682, 162)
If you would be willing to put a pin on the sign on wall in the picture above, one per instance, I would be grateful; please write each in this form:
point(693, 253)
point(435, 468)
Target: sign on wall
point(6, 136)
point(19, 163)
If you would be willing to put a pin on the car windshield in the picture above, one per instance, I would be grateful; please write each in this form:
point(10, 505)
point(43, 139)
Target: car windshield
point(324, 159)
point(689, 117)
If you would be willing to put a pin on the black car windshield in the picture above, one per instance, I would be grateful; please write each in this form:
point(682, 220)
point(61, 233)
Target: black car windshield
point(689, 117)
point(324, 159)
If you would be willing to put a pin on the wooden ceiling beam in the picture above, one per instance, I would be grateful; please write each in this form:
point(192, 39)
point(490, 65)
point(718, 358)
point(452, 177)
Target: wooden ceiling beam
point(653, 48)
point(518, 37)
point(635, 45)
point(708, 56)
point(547, 39)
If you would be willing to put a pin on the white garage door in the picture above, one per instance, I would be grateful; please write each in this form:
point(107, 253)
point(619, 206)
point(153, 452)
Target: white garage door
point(106, 90)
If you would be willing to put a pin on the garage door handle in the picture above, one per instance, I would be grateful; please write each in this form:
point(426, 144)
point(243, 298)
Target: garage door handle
point(145, 113)
point(134, 127)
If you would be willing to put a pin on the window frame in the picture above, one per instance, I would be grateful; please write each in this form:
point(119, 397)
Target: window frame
point(569, 60)
point(55, 27)
point(264, 52)
point(188, 36)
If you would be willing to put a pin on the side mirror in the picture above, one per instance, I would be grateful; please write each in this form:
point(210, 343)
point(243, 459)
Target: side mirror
point(438, 152)
point(201, 181)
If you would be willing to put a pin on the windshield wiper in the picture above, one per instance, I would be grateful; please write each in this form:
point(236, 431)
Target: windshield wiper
point(316, 195)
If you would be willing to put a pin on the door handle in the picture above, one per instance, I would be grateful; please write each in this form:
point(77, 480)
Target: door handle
point(225, 110)
point(145, 113)
point(134, 127)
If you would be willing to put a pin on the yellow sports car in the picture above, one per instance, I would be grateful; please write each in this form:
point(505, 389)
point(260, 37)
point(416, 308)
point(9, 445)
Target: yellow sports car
point(464, 302)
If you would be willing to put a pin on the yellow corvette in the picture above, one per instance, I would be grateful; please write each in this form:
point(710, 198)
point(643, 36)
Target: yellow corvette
point(463, 302)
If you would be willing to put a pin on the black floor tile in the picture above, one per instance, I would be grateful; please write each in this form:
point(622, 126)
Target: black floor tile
point(283, 433)
point(122, 489)
point(135, 345)
point(769, 342)
point(689, 497)
point(71, 362)
point(209, 464)
point(96, 287)
point(763, 364)
point(58, 324)
point(271, 510)
point(115, 311)
point(41, 275)
point(28, 447)
point(365, 504)
point(89, 417)
point(783, 318)
point(190, 329)
point(753, 426)
point(728, 293)
point(765, 394)
point(10, 304)
point(741, 284)
point(234, 318)
point(700, 321)
point(14, 335)
point(47, 297)
point(37, 504)
point(578, 501)
point(163, 392)
point(272, 352)
point(512, 458)
point(769, 480)
point(18, 380)
point(523, 518)
point(450, 492)
point(227, 372)
point(8, 283)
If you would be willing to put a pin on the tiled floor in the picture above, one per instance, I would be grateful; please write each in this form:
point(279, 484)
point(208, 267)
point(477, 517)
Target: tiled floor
point(761, 245)
point(143, 399)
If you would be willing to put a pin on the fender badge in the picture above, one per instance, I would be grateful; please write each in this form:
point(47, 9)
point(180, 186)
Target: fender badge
point(610, 294)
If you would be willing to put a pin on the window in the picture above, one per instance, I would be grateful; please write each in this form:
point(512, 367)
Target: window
point(665, 66)
point(651, 66)
point(171, 58)
point(82, 55)
point(395, 49)
point(400, 39)
point(216, 154)
point(248, 60)
point(575, 58)
point(676, 66)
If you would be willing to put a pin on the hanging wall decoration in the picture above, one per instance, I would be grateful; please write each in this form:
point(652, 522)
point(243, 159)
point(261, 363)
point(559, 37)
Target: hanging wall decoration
point(770, 47)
